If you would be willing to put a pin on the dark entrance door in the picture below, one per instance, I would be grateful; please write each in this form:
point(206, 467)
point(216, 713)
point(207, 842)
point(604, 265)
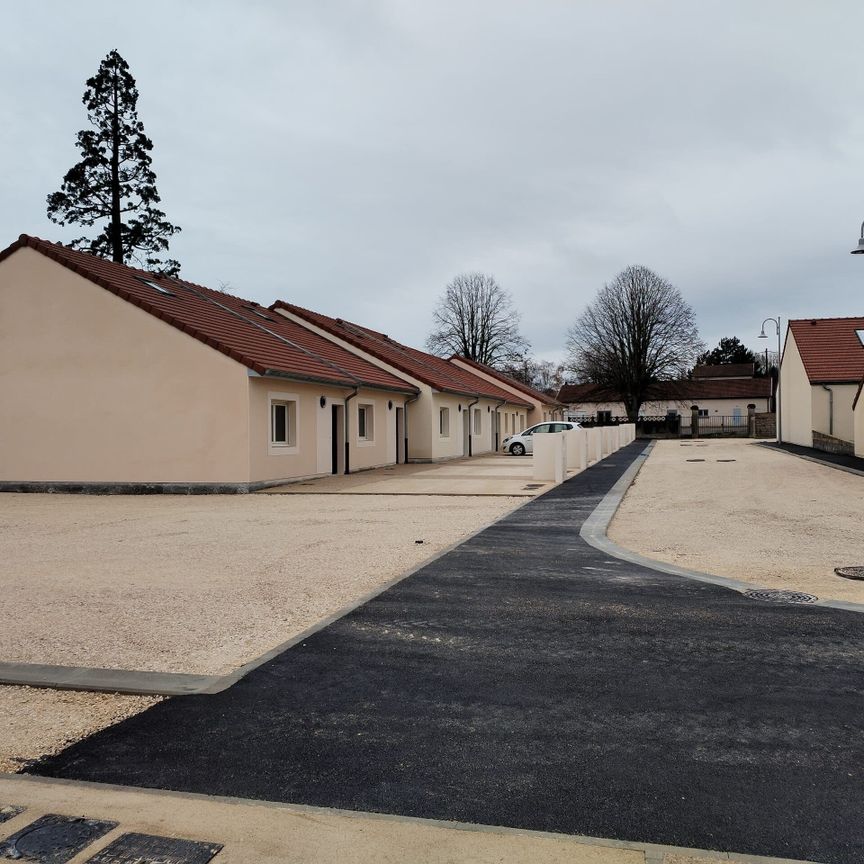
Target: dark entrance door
point(334, 437)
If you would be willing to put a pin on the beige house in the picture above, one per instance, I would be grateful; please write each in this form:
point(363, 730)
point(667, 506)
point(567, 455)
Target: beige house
point(820, 373)
point(456, 412)
point(114, 379)
point(542, 408)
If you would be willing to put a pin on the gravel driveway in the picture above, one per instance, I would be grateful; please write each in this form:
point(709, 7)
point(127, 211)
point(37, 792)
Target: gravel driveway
point(749, 513)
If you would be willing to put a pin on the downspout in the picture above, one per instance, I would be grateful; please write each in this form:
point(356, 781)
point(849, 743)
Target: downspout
point(470, 424)
point(830, 409)
point(498, 424)
point(405, 422)
point(348, 398)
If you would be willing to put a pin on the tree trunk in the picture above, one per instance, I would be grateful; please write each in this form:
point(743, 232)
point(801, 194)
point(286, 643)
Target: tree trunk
point(116, 232)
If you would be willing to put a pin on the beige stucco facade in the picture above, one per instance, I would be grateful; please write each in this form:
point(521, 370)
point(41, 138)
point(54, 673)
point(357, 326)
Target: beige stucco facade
point(806, 408)
point(426, 442)
point(796, 397)
point(95, 390)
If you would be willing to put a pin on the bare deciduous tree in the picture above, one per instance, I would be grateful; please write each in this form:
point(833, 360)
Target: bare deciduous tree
point(638, 330)
point(476, 319)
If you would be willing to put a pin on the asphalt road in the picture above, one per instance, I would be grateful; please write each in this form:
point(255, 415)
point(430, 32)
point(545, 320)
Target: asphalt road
point(526, 679)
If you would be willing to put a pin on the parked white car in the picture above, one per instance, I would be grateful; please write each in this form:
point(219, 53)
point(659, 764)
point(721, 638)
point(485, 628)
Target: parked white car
point(523, 442)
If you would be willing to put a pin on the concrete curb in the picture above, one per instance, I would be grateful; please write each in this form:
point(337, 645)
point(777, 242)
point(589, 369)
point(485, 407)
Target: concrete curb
point(815, 459)
point(654, 852)
point(131, 681)
point(594, 528)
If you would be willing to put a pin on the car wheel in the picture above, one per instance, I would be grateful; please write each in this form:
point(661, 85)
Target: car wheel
point(517, 449)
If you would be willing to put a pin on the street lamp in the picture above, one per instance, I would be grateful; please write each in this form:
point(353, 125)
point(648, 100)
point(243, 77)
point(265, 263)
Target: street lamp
point(763, 335)
point(860, 248)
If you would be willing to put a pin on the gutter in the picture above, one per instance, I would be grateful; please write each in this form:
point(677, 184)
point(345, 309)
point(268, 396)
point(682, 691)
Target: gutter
point(348, 398)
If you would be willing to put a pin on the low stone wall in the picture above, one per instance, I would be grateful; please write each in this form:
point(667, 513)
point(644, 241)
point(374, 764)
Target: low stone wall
point(765, 425)
point(830, 444)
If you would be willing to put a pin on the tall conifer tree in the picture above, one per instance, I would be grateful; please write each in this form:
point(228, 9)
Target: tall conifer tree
point(114, 180)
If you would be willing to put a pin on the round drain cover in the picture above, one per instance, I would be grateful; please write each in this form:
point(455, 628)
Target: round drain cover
point(850, 572)
point(780, 596)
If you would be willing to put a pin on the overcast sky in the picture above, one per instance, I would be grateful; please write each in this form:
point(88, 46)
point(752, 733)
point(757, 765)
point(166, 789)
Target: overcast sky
point(352, 157)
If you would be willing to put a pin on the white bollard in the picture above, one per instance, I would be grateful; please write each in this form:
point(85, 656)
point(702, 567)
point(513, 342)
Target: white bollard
point(550, 456)
point(577, 449)
point(607, 440)
point(595, 444)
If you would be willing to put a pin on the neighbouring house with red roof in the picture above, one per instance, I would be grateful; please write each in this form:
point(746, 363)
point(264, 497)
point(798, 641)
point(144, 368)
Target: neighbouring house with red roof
point(820, 377)
point(542, 408)
point(113, 378)
point(726, 390)
point(457, 412)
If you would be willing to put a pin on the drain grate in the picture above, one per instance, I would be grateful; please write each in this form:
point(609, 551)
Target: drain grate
point(8, 811)
point(695, 460)
point(850, 572)
point(147, 849)
point(780, 596)
point(726, 460)
point(53, 839)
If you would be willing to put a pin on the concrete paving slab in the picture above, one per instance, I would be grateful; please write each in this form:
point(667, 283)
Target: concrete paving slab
point(493, 475)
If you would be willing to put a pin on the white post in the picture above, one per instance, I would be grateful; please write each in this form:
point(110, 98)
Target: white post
point(577, 449)
point(595, 444)
point(550, 456)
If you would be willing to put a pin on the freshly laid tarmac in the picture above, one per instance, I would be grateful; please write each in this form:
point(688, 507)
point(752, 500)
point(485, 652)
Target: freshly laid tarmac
point(526, 679)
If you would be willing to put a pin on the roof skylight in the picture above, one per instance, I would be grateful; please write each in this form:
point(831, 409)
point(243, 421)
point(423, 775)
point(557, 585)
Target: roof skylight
point(156, 287)
point(860, 336)
point(256, 311)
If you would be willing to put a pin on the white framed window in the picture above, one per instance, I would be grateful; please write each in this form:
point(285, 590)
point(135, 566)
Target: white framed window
point(283, 422)
point(444, 422)
point(478, 421)
point(703, 412)
point(366, 422)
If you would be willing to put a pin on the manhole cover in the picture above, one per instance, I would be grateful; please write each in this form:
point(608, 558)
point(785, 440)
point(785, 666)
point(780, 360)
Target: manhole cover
point(695, 460)
point(850, 572)
point(7, 812)
point(780, 596)
point(149, 849)
point(53, 839)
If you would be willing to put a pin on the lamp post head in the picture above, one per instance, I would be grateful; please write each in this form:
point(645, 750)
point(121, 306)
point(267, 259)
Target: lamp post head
point(762, 334)
point(860, 249)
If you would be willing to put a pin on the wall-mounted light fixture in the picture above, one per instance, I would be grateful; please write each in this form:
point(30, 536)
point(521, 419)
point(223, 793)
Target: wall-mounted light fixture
point(390, 405)
point(322, 401)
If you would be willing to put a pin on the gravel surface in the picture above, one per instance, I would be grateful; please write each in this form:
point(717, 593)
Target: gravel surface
point(203, 584)
point(767, 518)
point(37, 722)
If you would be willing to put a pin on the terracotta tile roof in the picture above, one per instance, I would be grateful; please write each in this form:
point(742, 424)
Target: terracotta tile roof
point(436, 372)
point(695, 390)
point(725, 370)
point(238, 328)
point(830, 349)
point(506, 379)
